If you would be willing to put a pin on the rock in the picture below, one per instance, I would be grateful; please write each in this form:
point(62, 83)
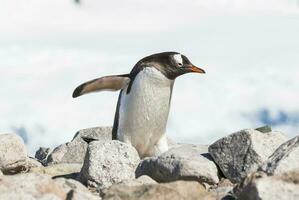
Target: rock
point(75, 190)
point(264, 129)
point(186, 162)
point(108, 162)
point(187, 150)
point(142, 180)
point(223, 189)
point(74, 151)
point(263, 187)
point(243, 152)
point(42, 154)
point(1, 174)
point(97, 133)
point(13, 154)
point(30, 186)
point(284, 159)
point(178, 190)
point(68, 170)
point(32, 163)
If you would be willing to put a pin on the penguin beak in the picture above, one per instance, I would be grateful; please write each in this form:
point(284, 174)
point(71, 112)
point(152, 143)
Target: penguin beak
point(194, 69)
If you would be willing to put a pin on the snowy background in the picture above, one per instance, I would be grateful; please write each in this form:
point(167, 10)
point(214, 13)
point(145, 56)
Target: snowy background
point(249, 49)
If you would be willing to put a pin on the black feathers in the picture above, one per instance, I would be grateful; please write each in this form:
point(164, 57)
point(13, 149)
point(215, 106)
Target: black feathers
point(78, 90)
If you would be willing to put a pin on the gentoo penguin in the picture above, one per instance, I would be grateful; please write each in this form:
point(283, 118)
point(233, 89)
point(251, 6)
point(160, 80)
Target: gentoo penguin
point(144, 100)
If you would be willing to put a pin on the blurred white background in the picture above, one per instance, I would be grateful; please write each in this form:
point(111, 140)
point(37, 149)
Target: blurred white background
point(249, 49)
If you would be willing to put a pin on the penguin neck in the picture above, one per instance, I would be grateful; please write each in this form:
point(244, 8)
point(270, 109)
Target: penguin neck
point(151, 84)
point(154, 77)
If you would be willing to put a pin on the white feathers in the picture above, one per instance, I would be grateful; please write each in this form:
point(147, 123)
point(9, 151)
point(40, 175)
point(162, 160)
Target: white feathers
point(178, 59)
point(143, 113)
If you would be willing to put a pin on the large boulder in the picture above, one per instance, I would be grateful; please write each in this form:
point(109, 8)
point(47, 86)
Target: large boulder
point(178, 190)
point(108, 162)
point(13, 154)
point(74, 151)
point(185, 162)
point(284, 159)
point(243, 152)
point(260, 186)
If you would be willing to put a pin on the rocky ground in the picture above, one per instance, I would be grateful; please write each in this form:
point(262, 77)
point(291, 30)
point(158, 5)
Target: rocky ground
point(249, 164)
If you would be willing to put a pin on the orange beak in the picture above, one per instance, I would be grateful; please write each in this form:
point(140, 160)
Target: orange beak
point(192, 68)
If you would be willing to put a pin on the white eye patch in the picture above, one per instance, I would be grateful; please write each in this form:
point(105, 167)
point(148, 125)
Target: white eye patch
point(178, 59)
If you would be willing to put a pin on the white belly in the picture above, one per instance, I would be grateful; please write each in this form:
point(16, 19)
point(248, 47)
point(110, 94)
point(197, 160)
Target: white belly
point(143, 113)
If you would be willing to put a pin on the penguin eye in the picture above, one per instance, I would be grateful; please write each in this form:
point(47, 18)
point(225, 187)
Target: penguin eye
point(180, 64)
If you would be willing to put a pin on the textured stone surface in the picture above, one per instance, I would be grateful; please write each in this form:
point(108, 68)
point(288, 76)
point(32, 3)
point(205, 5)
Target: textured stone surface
point(108, 162)
point(243, 152)
point(74, 151)
point(30, 186)
point(264, 129)
point(96, 133)
point(263, 187)
point(222, 190)
point(178, 190)
point(32, 163)
point(75, 190)
point(13, 154)
point(142, 180)
point(185, 162)
point(64, 169)
point(284, 159)
point(42, 154)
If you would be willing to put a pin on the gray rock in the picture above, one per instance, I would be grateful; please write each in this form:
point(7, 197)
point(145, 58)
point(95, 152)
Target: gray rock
point(33, 186)
point(42, 154)
point(178, 190)
point(186, 162)
point(68, 170)
point(223, 189)
point(188, 150)
point(142, 180)
point(264, 129)
point(74, 151)
point(75, 190)
point(263, 187)
point(243, 152)
point(30, 186)
point(32, 163)
point(284, 159)
point(108, 162)
point(13, 154)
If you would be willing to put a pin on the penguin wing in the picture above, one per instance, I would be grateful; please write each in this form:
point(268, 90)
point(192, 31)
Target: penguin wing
point(110, 83)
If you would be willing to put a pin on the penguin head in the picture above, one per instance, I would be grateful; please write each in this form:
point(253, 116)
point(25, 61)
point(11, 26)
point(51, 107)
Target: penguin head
point(171, 64)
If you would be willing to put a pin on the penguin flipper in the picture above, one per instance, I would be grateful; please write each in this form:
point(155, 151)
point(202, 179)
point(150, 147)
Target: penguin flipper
point(110, 83)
